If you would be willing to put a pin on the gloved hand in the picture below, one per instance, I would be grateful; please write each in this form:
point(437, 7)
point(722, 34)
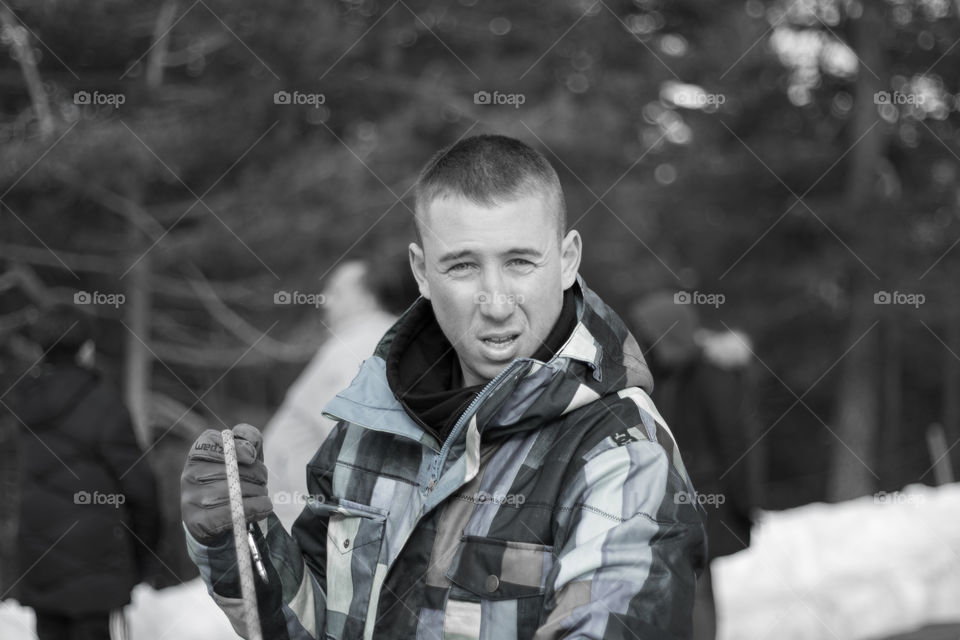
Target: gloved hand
point(204, 498)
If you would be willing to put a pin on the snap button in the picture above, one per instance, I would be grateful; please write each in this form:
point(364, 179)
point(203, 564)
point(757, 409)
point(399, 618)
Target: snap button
point(491, 584)
point(346, 543)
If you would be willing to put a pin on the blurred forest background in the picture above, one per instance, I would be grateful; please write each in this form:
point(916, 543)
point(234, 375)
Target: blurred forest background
point(798, 157)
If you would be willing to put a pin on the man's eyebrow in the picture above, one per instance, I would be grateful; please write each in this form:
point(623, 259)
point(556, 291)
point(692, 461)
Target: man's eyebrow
point(516, 251)
point(455, 255)
point(523, 251)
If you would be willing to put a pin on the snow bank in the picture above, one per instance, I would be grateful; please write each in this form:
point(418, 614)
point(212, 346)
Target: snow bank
point(184, 612)
point(855, 570)
point(850, 571)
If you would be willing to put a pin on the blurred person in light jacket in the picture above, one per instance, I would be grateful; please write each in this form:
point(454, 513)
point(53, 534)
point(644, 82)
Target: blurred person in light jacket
point(360, 301)
point(88, 509)
point(705, 389)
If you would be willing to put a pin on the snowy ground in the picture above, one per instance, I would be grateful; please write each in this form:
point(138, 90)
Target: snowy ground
point(185, 612)
point(858, 570)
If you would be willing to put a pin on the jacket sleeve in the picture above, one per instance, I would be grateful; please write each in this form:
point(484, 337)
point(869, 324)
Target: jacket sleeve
point(629, 548)
point(293, 602)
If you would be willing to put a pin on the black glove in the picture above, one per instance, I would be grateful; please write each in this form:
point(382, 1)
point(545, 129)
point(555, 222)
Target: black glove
point(204, 498)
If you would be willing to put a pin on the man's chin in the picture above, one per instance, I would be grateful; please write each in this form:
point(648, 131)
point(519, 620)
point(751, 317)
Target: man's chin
point(483, 373)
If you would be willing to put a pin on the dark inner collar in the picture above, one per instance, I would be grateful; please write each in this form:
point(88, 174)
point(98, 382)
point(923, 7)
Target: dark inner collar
point(424, 373)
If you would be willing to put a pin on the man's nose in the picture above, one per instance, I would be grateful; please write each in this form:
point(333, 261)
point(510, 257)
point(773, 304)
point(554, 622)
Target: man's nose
point(495, 301)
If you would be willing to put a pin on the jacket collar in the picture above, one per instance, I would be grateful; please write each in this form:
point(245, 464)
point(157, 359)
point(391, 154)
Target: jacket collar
point(599, 358)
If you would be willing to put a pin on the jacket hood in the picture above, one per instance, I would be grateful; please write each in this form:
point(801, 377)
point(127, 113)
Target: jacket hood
point(599, 358)
point(51, 393)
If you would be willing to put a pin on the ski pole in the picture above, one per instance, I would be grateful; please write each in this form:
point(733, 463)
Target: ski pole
point(251, 616)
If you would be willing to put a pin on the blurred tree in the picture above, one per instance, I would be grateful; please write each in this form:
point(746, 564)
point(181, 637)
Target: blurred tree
point(204, 157)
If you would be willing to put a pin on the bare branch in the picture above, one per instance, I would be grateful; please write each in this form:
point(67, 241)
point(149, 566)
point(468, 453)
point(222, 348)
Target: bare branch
point(242, 329)
point(20, 43)
point(158, 54)
point(112, 202)
point(42, 257)
point(201, 357)
point(19, 318)
point(27, 280)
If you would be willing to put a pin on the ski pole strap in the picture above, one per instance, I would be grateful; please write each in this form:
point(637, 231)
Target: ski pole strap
point(251, 616)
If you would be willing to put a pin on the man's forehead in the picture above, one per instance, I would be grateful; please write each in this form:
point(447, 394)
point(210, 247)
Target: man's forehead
point(455, 210)
point(522, 225)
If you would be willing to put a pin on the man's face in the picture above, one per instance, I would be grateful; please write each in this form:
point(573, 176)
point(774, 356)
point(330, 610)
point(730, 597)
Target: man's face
point(495, 277)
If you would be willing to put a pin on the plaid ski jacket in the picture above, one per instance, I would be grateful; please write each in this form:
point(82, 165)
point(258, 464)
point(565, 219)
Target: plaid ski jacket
point(558, 507)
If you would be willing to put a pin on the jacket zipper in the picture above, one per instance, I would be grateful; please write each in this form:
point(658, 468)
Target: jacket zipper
point(441, 458)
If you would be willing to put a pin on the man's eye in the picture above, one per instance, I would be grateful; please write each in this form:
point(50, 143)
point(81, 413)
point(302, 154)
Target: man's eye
point(460, 266)
point(520, 262)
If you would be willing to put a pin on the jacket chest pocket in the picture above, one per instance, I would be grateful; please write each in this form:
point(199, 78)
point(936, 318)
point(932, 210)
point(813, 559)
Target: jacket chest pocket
point(498, 589)
point(353, 570)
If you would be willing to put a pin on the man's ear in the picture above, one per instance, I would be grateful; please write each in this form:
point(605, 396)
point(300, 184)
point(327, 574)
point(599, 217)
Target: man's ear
point(419, 268)
point(571, 249)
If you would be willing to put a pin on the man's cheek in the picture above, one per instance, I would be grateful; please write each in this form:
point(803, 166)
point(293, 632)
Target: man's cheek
point(459, 303)
point(453, 316)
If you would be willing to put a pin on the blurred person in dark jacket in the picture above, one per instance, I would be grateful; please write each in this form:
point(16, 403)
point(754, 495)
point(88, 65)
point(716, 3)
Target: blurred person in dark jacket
point(88, 511)
point(704, 387)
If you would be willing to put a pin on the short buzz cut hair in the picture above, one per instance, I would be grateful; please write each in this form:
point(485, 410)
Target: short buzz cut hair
point(489, 170)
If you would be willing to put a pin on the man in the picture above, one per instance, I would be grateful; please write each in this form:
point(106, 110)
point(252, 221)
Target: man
point(88, 506)
point(706, 388)
point(356, 319)
point(497, 470)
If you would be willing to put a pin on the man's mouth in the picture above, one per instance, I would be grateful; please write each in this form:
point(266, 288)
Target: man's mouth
point(500, 346)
